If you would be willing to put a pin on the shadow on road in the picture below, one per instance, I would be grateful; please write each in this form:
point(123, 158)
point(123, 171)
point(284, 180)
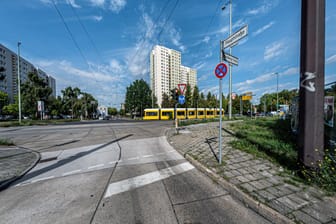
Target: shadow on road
point(67, 160)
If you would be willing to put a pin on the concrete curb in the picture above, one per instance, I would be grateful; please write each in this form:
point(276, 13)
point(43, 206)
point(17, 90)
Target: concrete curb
point(5, 184)
point(263, 210)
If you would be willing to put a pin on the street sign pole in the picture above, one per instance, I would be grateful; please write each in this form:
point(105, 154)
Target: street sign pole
point(220, 121)
point(230, 67)
point(311, 131)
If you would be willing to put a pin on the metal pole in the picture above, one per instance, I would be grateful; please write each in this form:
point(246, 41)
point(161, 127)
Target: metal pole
point(277, 107)
point(220, 121)
point(230, 67)
point(19, 83)
point(311, 104)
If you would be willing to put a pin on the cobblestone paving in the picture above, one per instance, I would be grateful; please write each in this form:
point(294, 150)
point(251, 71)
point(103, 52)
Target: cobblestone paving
point(259, 178)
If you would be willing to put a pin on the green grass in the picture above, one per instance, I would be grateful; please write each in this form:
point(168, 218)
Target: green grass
point(272, 139)
point(34, 122)
point(267, 138)
point(6, 142)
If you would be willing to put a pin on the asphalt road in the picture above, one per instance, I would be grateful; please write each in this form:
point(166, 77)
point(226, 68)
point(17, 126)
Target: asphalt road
point(113, 173)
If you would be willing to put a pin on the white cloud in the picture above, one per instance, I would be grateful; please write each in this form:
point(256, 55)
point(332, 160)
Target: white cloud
point(73, 3)
point(273, 50)
point(206, 39)
point(117, 5)
point(247, 85)
point(97, 18)
point(331, 59)
point(264, 8)
point(99, 3)
point(291, 71)
point(262, 29)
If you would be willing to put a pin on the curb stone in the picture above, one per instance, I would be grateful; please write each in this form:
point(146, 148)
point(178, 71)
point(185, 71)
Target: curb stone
point(5, 184)
point(263, 210)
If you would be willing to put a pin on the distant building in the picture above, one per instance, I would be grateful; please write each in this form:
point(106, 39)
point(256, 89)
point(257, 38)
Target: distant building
point(8, 77)
point(166, 72)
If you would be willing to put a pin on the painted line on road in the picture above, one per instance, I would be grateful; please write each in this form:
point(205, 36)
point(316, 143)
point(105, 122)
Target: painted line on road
point(113, 162)
point(171, 151)
point(95, 166)
point(147, 156)
point(41, 179)
point(142, 180)
point(133, 158)
point(71, 172)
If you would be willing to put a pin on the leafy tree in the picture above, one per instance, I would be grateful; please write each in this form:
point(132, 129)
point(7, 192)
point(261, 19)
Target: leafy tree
point(3, 100)
point(167, 102)
point(188, 97)
point(12, 109)
point(195, 97)
point(33, 90)
point(112, 111)
point(138, 97)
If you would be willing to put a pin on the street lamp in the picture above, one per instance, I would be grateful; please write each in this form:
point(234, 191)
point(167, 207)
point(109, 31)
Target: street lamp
point(19, 82)
point(277, 103)
point(230, 66)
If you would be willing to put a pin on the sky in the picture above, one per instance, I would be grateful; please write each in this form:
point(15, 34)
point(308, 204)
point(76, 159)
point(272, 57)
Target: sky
point(103, 46)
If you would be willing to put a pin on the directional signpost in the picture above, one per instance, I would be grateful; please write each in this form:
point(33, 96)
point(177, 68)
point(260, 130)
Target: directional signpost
point(229, 42)
point(220, 72)
point(181, 99)
point(234, 38)
point(229, 58)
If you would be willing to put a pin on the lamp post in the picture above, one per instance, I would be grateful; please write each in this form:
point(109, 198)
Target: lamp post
point(19, 82)
point(230, 65)
point(277, 74)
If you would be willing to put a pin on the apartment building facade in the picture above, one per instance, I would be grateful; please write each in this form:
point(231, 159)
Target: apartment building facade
point(166, 72)
point(9, 73)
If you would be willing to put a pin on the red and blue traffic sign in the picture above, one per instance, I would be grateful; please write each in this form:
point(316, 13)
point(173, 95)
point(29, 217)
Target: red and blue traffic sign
point(221, 70)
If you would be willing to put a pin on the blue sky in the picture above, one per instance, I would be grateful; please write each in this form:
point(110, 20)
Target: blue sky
point(113, 39)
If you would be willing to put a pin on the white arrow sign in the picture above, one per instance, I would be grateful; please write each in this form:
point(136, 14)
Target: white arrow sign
point(234, 38)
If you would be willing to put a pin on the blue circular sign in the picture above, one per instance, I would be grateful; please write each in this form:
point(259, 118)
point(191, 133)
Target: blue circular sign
point(221, 70)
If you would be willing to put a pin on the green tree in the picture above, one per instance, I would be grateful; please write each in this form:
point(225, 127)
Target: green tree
point(195, 97)
point(112, 111)
point(3, 100)
point(188, 97)
point(12, 109)
point(33, 90)
point(138, 97)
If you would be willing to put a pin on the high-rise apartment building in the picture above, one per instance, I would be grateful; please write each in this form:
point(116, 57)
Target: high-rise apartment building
point(9, 73)
point(166, 72)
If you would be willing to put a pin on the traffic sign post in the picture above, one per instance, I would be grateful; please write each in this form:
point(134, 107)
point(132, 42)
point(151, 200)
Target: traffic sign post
point(181, 99)
point(220, 72)
point(229, 58)
point(182, 88)
point(234, 38)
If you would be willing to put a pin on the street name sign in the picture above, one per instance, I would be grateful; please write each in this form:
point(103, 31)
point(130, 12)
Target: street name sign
point(234, 38)
point(229, 58)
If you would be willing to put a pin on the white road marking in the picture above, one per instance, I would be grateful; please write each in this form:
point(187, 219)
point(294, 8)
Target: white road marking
point(95, 166)
point(44, 178)
point(113, 162)
point(171, 151)
point(71, 172)
point(146, 156)
point(142, 180)
point(133, 158)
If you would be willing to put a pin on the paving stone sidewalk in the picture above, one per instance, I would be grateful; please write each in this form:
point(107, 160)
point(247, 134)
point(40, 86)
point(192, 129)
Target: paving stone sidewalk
point(254, 178)
point(14, 162)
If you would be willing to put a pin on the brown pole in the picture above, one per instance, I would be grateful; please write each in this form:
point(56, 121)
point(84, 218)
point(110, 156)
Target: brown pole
point(311, 120)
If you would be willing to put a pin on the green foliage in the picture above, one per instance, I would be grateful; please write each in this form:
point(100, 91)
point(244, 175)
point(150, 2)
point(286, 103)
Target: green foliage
point(138, 97)
point(3, 100)
point(33, 90)
point(325, 176)
point(6, 142)
point(112, 111)
point(272, 137)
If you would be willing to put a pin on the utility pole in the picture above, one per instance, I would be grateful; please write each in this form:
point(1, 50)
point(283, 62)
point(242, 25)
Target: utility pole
point(230, 67)
point(311, 101)
point(19, 82)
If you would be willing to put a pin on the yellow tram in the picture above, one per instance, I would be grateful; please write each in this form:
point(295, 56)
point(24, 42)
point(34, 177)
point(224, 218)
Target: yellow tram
point(181, 113)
